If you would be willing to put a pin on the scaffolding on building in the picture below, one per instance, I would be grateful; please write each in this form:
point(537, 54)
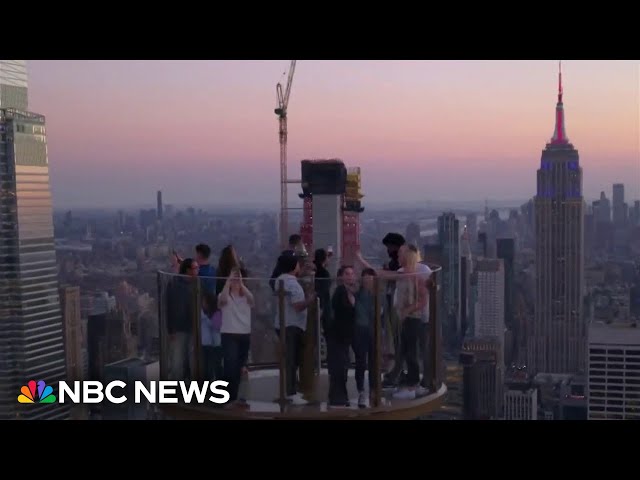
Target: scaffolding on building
point(352, 207)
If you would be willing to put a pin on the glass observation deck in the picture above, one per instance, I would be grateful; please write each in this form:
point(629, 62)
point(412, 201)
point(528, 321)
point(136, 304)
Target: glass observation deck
point(186, 351)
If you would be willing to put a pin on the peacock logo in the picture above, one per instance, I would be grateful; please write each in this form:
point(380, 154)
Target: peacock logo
point(28, 393)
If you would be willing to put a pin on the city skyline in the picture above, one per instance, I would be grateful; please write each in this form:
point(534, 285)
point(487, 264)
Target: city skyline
point(518, 313)
point(121, 130)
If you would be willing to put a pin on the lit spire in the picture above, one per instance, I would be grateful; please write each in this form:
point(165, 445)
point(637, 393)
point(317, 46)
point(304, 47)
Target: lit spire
point(560, 81)
point(559, 135)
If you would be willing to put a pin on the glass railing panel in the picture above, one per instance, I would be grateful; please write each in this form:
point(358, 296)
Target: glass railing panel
point(303, 342)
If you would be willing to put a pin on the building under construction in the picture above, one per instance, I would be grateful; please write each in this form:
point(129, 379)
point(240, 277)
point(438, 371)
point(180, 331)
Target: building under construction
point(331, 209)
point(351, 209)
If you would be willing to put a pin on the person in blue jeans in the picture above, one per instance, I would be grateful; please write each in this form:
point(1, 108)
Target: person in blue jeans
point(363, 338)
point(235, 301)
point(210, 338)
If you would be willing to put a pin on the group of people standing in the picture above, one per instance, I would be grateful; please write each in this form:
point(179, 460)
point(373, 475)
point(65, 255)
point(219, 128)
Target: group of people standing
point(350, 325)
point(348, 316)
point(224, 318)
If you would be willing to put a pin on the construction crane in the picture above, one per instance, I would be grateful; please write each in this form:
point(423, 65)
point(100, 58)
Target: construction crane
point(281, 112)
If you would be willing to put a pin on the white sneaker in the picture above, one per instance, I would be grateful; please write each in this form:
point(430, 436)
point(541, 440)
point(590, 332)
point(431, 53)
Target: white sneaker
point(421, 391)
point(362, 400)
point(297, 399)
point(405, 395)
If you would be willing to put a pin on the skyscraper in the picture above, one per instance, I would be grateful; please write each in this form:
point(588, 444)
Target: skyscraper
point(70, 302)
point(505, 249)
point(489, 311)
point(159, 205)
point(351, 210)
point(520, 403)
point(449, 238)
point(13, 84)
point(472, 226)
point(466, 270)
point(602, 209)
point(558, 340)
point(74, 341)
point(32, 342)
point(614, 372)
point(636, 213)
point(482, 378)
point(619, 207)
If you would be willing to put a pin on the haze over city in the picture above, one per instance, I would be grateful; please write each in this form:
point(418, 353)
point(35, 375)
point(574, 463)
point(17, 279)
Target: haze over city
point(205, 132)
point(469, 231)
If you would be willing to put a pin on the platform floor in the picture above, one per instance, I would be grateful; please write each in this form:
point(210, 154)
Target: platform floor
point(262, 393)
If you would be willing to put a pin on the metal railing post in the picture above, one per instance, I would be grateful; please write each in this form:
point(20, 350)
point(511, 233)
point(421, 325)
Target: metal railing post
point(196, 340)
point(307, 369)
point(318, 338)
point(377, 342)
point(433, 333)
point(162, 325)
point(283, 346)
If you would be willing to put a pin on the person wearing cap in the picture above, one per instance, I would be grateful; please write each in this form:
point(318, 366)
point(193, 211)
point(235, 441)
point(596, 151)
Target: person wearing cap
point(393, 241)
point(423, 273)
point(296, 249)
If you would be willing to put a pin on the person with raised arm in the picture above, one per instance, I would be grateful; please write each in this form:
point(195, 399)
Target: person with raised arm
point(227, 262)
point(235, 302)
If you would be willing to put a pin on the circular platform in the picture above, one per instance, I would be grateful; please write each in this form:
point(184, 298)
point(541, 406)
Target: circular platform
point(262, 403)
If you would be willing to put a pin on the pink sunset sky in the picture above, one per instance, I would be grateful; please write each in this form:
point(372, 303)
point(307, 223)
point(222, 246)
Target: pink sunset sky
point(204, 132)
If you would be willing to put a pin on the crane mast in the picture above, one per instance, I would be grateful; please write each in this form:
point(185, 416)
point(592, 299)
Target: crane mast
point(281, 112)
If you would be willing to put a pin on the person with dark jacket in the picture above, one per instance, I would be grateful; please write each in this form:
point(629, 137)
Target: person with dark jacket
point(364, 339)
point(323, 286)
point(393, 242)
point(206, 270)
point(181, 311)
point(295, 246)
point(339, 338)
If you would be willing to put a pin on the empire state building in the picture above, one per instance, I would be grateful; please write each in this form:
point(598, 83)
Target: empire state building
point(558, 343)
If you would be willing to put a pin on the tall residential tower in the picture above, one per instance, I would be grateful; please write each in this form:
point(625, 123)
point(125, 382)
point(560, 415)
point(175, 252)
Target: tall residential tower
point(31, 342)
point(558, 341)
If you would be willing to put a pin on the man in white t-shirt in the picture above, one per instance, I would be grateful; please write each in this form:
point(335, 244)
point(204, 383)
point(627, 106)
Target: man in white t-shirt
point(295, 319)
